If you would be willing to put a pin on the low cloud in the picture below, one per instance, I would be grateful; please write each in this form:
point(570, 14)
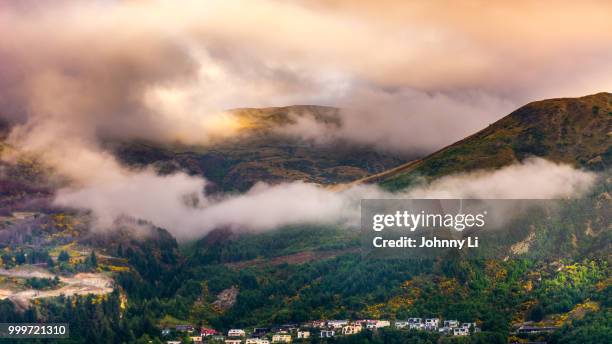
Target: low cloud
point(177, 202)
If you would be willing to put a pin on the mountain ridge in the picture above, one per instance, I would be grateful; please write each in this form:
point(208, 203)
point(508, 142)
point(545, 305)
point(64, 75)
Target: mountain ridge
point(582, 126)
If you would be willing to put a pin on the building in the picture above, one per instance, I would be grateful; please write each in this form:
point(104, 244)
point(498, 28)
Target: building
point(165, 332)
point(327, 333)
point(173, 342)
point(303, 334)
point(196, 339)
point(256, 341)
point(351, 329)
point(400, 324)
point(316, 324)
point(235, 332)
point(184, 328)
point(461, 331)
point(451, 323)
point(22, 215)
point(233, 341)
point(376, 324)
point(471, 325)
point(337, 324)
point(432, 324)
point(445, 330)
point(260, 331)
point(207, 332)
point(281, 338)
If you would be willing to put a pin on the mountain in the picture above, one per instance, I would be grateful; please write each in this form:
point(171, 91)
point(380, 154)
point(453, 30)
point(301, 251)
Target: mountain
point(577, 131)
point(260, 152)
point(291, 275)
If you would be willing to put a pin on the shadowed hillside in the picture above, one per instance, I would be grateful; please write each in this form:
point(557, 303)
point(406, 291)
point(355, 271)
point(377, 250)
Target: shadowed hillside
point(261, 153)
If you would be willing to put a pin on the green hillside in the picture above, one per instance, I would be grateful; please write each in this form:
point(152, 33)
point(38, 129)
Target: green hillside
point(577, 131)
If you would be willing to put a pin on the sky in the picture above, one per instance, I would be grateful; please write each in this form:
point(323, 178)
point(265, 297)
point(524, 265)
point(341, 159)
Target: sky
point(437, 70)
point(409, 76)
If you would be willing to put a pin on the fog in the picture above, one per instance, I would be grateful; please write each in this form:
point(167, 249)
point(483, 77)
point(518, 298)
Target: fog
point(178, 204)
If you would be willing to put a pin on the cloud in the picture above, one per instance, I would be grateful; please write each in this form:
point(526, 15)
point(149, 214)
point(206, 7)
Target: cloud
point(160, 71)
point(410, 76)
point(178, 203)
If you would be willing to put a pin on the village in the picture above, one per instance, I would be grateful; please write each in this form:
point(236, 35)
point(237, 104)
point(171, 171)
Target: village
point(314, 329)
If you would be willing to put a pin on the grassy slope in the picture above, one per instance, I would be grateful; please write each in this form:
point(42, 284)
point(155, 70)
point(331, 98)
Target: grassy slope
point(571, 130)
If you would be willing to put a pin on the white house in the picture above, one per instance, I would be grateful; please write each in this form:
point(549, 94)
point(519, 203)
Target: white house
point(337, 323)
point(399, 324)
point(468, 325)
point(173, 342)
point(461, 331)
point(233, 341)
point(281, 338)
point(451, 323)
point(432, 324)
point(376, 324)
point(256, 341)
point(351, 329)
point(235, 332)
point(445, 330)
point(303, 334)
point(196, 339)
point(327, 334)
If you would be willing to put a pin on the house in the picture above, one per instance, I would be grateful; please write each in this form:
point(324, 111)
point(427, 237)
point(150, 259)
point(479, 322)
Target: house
point(451, 323)
point(207, 332)
point(235, 332)
point(445, 330)
point(401, 324)
point(303, 334)
point(281, 338)
point(22, 215)
point(184, 328)
point(376, 324)
point(432, 324)
point(327, 333)
point(415, 324)
point(337, 324)
point(290, 327)
point(351, 329)
point(256, 341)
point(165, 332)
point(461, 331)
point(233, 341)
point(470, 325)
point(173, 342)
point(260, 331)
point(196, 339)
point(316, 324)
